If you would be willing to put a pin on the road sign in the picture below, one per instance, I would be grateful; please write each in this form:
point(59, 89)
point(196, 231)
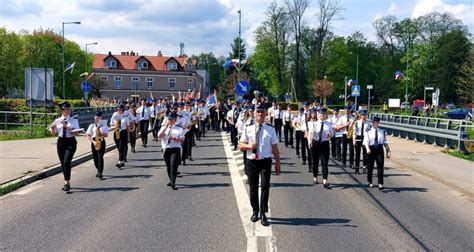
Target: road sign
point(86, 87)
point(355, 91)
point(242, 87)
point(370, 87)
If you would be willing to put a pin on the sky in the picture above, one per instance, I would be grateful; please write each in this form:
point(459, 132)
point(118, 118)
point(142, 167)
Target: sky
point(149, 26)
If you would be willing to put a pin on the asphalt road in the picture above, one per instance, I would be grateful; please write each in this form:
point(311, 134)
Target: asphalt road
point(133, 209)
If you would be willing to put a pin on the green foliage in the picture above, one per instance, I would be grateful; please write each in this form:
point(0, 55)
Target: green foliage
point(41, 48)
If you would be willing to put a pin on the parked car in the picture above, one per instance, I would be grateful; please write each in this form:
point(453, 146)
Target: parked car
point(459, 113)
point(405, 105)
point(450, 106)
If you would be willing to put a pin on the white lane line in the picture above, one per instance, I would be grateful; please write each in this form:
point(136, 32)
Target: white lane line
point(252, 230)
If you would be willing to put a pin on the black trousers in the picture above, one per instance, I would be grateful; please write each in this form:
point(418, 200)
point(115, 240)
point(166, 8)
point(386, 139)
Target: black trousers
point(278, 126)
point(375, 156)
point(288, 132)
point(339, 148)
point(333, 147)
point(256, 169)
point(233, 135)
point(133, 139)
point(320, 151)
point(202, 128)
point(358, 147)
point(187, 144)
point(98, 156)
point(66, 147)
point(172, 160)
point(271, 120)
point(121, 144)
point(144, 131)
point(347, 145)
point(155, 126)
point(310, 155)
point(299, 137)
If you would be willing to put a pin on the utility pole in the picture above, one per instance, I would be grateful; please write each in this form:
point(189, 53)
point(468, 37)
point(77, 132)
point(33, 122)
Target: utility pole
point(238, 68)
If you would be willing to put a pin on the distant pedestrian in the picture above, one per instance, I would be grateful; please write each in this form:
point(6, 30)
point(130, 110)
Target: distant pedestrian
point(144, 115)
point(65, 127)
point(374, 142)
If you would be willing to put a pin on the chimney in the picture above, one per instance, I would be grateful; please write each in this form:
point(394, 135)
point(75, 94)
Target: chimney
point(123, 53)
point(110, 53)
point(132, 53)
point(159, 54)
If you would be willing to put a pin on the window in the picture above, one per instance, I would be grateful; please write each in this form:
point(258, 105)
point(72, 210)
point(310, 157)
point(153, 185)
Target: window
point(190, 66)
point(172, 83)
point(143, 65)
point(103, 80)
point(111, 63)
point(118, 82)
point(149, 82)
point(172, 66)
point(190, 84)
point(135, 83)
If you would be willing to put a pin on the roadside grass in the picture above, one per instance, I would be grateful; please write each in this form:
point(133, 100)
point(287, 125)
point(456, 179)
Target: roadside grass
point(458, 154)
point(10, 187)
point(23, 132)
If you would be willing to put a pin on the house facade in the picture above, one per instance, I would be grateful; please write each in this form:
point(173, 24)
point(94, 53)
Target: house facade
point(128, 74)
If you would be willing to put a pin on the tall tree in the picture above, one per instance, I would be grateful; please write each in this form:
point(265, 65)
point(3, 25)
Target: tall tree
point(11, 67)
point(296, 10)
point(465, 81)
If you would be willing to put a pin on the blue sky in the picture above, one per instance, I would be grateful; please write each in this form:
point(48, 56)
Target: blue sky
point(149, 26)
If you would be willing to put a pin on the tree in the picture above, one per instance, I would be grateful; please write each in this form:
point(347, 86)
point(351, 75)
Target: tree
point(323, 89)
point(465, 81)
point(296, 10)
point(11, 66)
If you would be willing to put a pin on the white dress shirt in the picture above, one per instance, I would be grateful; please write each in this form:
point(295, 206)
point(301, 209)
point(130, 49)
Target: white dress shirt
point(358, 127)
point(297, 119)
point(369, 137)
point(124, 121)
point(288, 116)
point(266, 138)
point(314, 129)
point(72, 123)
point(277, 114)
point(146, 114)
point(172, 132)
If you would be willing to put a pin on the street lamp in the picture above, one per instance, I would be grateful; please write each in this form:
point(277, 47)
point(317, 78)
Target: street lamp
point(64, 63)
point(240, 20)
point(95, 43)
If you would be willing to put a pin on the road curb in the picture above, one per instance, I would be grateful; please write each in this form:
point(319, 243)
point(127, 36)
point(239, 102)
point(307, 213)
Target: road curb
point(433, 177)
point(47, 172)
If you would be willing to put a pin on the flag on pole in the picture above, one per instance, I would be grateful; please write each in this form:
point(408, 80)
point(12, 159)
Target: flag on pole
point(179, 96)
point(70, 67)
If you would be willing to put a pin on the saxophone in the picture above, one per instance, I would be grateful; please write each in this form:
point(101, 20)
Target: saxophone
point(117, 129)
point(98, 138)
point(350, 130)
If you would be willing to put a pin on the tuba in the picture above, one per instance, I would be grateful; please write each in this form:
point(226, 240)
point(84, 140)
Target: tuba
point(98, 138)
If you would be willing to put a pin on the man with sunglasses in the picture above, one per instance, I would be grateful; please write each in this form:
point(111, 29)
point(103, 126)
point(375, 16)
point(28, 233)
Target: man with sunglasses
point(260, 142)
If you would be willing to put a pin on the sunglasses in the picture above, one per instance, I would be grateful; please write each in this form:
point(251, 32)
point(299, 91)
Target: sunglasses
point(260, 110)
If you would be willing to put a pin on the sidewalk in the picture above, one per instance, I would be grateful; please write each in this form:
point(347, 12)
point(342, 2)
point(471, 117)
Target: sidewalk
point(20, 157)
point(428, 160)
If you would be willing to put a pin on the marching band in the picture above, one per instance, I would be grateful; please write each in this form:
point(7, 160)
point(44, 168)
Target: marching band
point(254, 129)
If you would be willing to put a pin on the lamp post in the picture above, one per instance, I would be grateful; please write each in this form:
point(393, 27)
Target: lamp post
point(64, 61)
point(345, 91)
point(95, 43)
point(240, 21)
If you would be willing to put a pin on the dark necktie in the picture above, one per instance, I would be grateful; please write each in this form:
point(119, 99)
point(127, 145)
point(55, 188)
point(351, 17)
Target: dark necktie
point(257, 140)
point(143, 111)
point(376, 137)
point(169, 136)
point(64, 129)
point(321, 132)
point(362, 129)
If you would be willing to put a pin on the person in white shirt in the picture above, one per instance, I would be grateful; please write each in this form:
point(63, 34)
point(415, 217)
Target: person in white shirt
point(334, 120)
point(260, 142)
point(65, 127)
point(270, 112)
point(144, 117)
point(98, 130)
point(341, 127)
point(304, 127)
point(361, 126)
point(171, 136)
point(134, 126)
point(154, 109)
point(189, 128)
point(232, 117)
point(374, 142)
point(299, 134)
point(278, 120)
point(288, 129)
point(319, 135)
point(119, 122)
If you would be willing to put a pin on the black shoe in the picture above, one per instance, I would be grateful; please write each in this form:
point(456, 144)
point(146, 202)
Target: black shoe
point(381, 187)
point(184, 162)
point(144, 145)
point(304, 162)
point(97, 175)
point(264, 220)
point(292, 147)
point(254, 217)
point(326, 185)
point(119, 165)
point(357, 171)
point(66, 187)
point(100, 175)
point(191, 159)
point(125, 160)
point(169, 184)
point(344, 166)
point(298, 155)
point(174, 187)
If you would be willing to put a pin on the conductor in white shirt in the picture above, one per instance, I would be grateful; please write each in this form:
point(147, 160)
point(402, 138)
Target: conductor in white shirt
point(144, 117)
point(260, 142)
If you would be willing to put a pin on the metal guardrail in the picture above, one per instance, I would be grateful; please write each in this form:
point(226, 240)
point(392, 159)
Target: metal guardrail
point(85, 117)
point(436, 131)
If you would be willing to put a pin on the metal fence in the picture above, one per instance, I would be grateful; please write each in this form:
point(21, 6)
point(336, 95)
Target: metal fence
point(9, 119)
point(437, 131)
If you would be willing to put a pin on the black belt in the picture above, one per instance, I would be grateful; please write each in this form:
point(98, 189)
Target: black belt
point(376, 146)
point(103, 139)
point(261, 159)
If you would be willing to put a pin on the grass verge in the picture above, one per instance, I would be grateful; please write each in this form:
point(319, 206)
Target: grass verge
point(459, 154)
point(23, 132)
point(10, 187)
